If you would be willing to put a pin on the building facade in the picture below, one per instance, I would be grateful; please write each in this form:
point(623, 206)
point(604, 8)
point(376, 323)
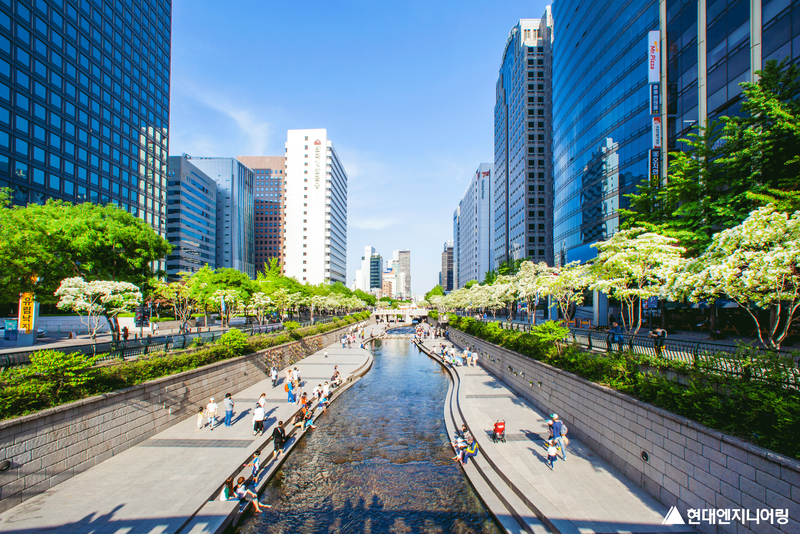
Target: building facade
point(375, 273)
point(522, 194)
point(84, 103)
point(191, 218)
point(446, 274)
point(602, 129)
point(362, 280)
point(268, 176)
point(473, 243)
point(235, 232)
point(315, 214)
point(402, 266)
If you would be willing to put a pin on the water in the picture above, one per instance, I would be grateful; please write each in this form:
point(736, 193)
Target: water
point(379, 461)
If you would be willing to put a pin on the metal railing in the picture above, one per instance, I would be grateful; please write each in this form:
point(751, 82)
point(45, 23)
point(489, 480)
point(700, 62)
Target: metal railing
point(133, 348)
point(749, 362)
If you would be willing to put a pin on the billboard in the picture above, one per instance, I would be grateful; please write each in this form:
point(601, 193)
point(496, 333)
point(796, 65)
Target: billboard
point(653, 57)
point(655, 99)
point(26, 311)
point(656, 132)
point(655, 163)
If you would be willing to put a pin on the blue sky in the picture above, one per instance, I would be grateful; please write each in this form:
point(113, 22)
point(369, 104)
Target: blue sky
point(405, 89)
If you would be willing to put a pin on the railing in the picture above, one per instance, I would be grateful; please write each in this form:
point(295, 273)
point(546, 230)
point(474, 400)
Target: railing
point(714, 358)
point(133, 348)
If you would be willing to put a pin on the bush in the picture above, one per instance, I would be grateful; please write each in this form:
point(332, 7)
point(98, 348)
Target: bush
point(235, 341)
point(765, 413)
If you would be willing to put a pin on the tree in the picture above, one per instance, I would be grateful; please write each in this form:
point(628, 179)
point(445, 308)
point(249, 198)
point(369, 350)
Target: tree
point(227, 300)
point(96, 298)
point(179, 295)
point(41, 245)
point(437, 290)
point(565, 285)
point(59, 370)
point(366, 297)
point(755, 263)
point(729, 168)
point(531, 287)
point(260, 302)
point(633, 265)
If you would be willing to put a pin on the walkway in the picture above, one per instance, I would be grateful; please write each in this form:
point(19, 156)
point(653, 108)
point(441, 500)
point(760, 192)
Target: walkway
point(583, 494)
point(157, 486)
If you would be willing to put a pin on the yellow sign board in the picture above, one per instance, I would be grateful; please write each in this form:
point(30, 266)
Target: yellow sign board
point(26, 310)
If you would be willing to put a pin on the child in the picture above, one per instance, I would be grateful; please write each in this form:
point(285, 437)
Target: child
point(551, 454)
point(255, 465)
point(200, 418)
point(246, 495)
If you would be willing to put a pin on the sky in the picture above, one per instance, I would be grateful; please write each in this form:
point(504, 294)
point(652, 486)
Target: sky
point(406, 91)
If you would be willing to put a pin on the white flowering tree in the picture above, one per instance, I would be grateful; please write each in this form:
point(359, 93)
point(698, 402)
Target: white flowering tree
point(260, 302)
point(91, 300)
point(756, 263)
point(231, 299)
point(565, 285)
point(531, 286)
point(179, 295)
point(632, 266)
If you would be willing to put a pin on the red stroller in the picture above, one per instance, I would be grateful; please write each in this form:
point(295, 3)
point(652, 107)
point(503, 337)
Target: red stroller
point(499, 432)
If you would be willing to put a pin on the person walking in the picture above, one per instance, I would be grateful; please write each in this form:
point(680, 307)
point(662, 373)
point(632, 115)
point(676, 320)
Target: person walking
point(125, 333)
point(278, 438)
point(551, 454)
point(211, 412)
point(262, 400)
point(229, 404)
point(255, 464)
point(659, 336)
point(615, 333)
point(200, 419)
point(258, 420)
point(560, 435)
point(273, 374)
point(289, 389)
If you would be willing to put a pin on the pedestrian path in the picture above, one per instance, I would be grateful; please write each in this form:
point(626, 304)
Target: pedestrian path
point(157, 486)
point(583, 494)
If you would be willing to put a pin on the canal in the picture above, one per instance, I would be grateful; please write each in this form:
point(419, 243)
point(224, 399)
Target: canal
point(379, 460)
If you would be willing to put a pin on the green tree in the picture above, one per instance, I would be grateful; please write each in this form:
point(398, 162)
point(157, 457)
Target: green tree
point(437, 290)
point(40, 245)
point(730, 167)
point(61, 371)
point(366, 297)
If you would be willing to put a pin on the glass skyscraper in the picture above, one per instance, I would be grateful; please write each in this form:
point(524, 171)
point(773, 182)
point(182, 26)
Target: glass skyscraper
point(268, 192)
point(601, 118)
point(84, 102)
point(191, 218)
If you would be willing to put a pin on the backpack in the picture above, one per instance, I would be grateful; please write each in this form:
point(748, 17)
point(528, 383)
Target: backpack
point(286, 388)
point(564, 429)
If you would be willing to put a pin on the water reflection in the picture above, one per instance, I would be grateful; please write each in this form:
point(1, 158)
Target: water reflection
point(379, 460)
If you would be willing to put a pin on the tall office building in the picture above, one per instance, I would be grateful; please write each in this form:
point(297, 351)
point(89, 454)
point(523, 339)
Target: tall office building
point(601, 121)
point(268, 183)
point(235, 233)
point(375, 272)
point(668, 62)
point(710, 47)
point(473, 243)
point(363, 274)
point(84, 103)
point(446, 274)
point(191, 218)
point(402, 259)
point(522, 145)
point(315, 215)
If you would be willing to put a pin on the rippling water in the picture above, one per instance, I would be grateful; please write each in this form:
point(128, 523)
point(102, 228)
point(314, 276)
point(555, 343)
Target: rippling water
point(379, 461)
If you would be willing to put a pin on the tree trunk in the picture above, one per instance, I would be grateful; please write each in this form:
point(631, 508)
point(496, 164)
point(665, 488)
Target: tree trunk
point(712, 321)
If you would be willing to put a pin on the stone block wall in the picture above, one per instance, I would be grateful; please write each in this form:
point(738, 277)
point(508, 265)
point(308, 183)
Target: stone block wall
point(688, 465)
point(51, 446)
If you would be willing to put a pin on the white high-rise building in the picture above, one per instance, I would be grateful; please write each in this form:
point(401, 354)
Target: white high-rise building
point(315, 249)
point(362, 275)
point(403, 259)
point(473, 242)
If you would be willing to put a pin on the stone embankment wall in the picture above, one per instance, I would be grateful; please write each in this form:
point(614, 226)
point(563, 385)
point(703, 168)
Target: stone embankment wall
point(51, 446)
point(688, 465)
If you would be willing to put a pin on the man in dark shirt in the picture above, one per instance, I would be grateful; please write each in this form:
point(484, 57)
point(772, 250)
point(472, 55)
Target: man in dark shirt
point(278, 437)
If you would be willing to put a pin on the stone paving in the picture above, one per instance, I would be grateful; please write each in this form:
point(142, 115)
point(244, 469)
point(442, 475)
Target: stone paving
point(158, 485)
point(582, 494)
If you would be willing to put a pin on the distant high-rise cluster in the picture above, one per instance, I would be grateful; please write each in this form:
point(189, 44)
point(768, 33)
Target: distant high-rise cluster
point(392, 280)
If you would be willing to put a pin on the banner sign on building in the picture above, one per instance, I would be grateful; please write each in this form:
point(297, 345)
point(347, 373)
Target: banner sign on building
point(654, 57)
point(655, 163)
point(655, 99)
point(26, 310)
point(656, 132)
